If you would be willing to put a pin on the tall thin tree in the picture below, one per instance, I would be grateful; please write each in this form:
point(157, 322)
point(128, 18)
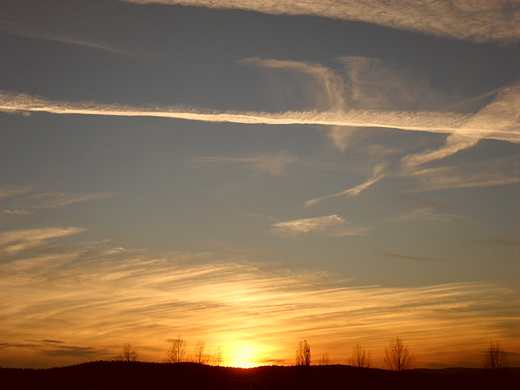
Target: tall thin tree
point(199, 355)
point(217, 356)
point(303, 354)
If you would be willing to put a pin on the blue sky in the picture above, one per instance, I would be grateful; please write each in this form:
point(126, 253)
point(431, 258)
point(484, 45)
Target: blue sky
point(253, 174)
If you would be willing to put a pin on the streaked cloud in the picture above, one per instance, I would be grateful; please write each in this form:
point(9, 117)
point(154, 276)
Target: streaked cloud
point(494, 172)
point(30, 198)
point(275, 164)
point(5, 214)
point(57, 199)
point(101, 299)
point(330, 92)
point(360, 83)
point(58, 35)
point(75, 24)
point(503, 112)
point(341, 136)
point(8, 191)
point(479, 21)
point(454, 143)
point(15, 241)
point(423, 202)
point(53, 348)
point(376, 176)
point(428, 121)
point(331, 225)
point(408, 257)
point(429, 214)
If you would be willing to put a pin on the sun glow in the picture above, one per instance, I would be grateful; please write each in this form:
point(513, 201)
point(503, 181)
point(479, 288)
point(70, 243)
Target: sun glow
point(244, 357)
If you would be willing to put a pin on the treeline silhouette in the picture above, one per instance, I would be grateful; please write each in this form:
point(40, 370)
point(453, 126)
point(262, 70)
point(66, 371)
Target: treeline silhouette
point(103, 375)
point(181, 370)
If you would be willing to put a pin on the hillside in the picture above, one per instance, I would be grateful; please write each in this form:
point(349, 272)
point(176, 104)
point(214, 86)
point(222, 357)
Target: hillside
point(154, 376)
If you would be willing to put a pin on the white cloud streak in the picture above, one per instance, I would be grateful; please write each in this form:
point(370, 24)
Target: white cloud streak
point(478, 20)
point(16, 241)
point(376, 176)
point(331, 225)
point(428, 121)
point(503, 113)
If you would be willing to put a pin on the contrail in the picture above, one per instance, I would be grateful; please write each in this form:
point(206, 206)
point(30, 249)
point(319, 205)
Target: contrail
point(479, 21)
point(505, 129)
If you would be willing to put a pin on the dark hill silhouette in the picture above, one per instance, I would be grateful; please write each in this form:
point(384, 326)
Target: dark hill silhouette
point(154, 376)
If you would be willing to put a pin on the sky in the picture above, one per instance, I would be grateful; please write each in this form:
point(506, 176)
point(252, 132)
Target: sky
point(257, 173)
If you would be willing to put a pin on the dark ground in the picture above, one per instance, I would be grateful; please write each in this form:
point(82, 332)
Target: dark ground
point(154, 376)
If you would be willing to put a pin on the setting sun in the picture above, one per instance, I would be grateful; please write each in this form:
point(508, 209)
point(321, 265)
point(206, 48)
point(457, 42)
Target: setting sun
point(213, 183)
point(243, 357)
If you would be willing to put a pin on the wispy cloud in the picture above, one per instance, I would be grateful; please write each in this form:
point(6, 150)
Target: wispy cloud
point(8, 191)
point(7, 214)
point(429, 214)
point(454, 143)
point(46, 33)
point(408, 257)
point(331, 225)
point(361, 83)
point(57, 199)
point(29, 198)
point(50, 349)
point(331, 89)
point(275, 164)
point(503, 112)
point(15, 241)
point(429, 121)
point(479, 21)
point(341, 136)
point(495, 172)
point(423, 202)
point(376, 176)
point(100, 299)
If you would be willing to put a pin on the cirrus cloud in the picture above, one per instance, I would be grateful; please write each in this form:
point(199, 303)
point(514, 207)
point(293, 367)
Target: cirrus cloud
point(478, 20)
point(331, 225)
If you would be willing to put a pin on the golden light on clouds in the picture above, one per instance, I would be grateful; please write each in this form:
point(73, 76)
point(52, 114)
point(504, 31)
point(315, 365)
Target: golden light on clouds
point(237, 181)
point(108, 296)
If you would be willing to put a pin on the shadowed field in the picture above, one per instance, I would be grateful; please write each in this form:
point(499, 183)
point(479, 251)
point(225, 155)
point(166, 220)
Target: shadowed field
point(150, 376)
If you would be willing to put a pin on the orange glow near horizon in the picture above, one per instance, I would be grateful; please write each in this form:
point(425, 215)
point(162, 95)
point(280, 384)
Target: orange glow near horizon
point(244, 356)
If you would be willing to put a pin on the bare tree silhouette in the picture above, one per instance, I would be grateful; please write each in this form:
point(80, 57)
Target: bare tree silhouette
point(177, 351)
point(495, 357)
point(129, 354)
point(198, 355)
point(303, 354)
point(360, 358)
point(325, 359)
point(217, 356)
point(398, 357)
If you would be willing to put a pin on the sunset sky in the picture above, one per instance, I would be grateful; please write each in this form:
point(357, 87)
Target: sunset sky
point(256, 173)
